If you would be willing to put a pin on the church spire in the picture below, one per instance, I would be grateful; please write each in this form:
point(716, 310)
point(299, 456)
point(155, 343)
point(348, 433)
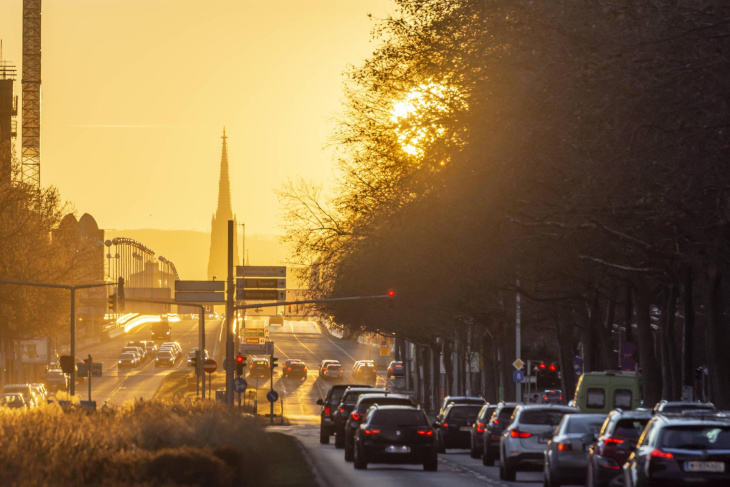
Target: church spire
point(225, 209)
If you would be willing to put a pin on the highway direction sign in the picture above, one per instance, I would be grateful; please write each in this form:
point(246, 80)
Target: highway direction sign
point(95, 369)
point(260, 295)
point(210, 366)
point(260, 271)
point(251, 283)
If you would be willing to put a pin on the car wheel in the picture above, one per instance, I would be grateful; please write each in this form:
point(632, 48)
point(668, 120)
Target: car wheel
point(432, 464)
point(506, 471)
point(487, 455)
point(339, 440)
point(324, 438)
point(474, 453)
point(358, 461)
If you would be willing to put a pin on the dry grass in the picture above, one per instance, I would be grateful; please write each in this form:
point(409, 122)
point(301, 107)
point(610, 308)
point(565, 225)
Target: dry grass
point(151, 443)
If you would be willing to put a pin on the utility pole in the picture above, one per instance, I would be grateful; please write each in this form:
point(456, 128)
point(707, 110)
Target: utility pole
point(518, 339)
point(230, 319)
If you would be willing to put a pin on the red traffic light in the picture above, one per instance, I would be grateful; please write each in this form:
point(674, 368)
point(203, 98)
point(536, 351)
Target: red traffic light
point(553, 368)
point(239, 359)
point(541, 366)
point(391, 293)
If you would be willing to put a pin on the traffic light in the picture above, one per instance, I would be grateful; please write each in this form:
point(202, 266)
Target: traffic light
point(391, 293)
point(120, 294)
point(552, 368)
point(67, 364)
point(113, 303)
point(542, 367)
point(194, 360)
point(240, 364)
point(273, 362)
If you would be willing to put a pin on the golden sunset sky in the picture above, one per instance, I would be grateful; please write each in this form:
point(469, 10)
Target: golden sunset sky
point(136, 94)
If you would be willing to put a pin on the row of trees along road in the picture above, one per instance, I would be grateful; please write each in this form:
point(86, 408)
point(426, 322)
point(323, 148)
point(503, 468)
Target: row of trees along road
point(578, 148)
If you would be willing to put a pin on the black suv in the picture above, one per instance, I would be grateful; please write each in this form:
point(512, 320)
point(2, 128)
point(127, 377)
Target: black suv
point(688, 449)
point(454, 429)
point(480, 401)
point(364, 402)
point(329, 404)
point(345, 407)
point(395, 434)
point(497, 424)
point(478, 429)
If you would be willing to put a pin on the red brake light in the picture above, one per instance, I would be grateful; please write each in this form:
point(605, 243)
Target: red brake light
point(565, 447)
point(519, 434)
point(356, 416)
point(613, 441)
point(544, 398)
point(342, 410)
point(445, 425)
point(480, 428)
point(496, 421)
point(661, 454)
point(425, 432)
point(369, 431)
point(327, 411)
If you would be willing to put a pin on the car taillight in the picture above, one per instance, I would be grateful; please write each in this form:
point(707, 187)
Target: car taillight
point(613, 441)
point(327, 411)
point(544, 398)
point(356, 416)
point(342, 410)
point(519, 434)
point(496, 421)
point(445, 425)
point(480, 428)
point(425, 432)
point(656, 453)
point(607, 463)
point(565, 447)
point(370, 431)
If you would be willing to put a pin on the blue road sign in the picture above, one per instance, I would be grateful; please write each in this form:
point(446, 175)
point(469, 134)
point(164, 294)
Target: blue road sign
point(272, 396)
point(240, 384)
point(518, 375)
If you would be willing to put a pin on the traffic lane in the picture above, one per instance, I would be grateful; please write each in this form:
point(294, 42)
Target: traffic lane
point(461, 459)
point(330, 465)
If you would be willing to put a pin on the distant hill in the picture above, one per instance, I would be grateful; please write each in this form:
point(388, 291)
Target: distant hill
point(189, 249)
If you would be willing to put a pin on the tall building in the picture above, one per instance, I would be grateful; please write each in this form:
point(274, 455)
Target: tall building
point(218, 259)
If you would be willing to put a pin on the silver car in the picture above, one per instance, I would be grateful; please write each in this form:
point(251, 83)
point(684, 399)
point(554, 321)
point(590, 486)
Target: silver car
point(566, 457)
point(524, 441)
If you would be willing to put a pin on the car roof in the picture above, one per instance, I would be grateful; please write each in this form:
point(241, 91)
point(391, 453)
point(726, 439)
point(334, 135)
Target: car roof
point(559, 407)
point(688, 419)
point(396, 407)
point(378, 395)
point(632, 413)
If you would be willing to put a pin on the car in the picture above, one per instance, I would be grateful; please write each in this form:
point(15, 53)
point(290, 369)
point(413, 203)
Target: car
point(142, 344)
point(604, 455)
point(165, 357)
point(364, 402)
point(191, 356)
point(323, 365)
point(136, 351)
point(329, 404)
point(688, 449)
point(565, 457)
point(25, 390)
point(12, 400)
point(55, 380)
point(176, 347)
point(395, 434)
point(333, 372)
point(396, 369)
point(454, 428)
point(448, 400)
point(128, 360)
point(365, 371)
point(259, 367)
point(478, 428)
point(602, 392)
point(493, 434)
point(523, 441)
point(343, 410)
point(360, 362)
point(552, 396)
point(294, 369)
point(151, 348)
point(680, 407)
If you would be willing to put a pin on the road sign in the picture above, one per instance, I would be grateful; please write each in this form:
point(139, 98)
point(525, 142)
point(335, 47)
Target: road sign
point(200, 286)
point(204, 297)
point(261, 283)
point(272, 396)
point(518, 364)
point(260, 271)
point(628, 363)
point(628, 349)
point(240, 384)
point(260, 295)
point(210, 366)
point(95, 369)
point(518, 376)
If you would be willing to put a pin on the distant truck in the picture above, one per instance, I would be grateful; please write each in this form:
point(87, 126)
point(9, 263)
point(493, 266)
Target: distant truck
point(161, 330)
point(601, 392)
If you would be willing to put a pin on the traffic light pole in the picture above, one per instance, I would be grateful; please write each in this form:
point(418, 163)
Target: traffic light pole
point(230, 320)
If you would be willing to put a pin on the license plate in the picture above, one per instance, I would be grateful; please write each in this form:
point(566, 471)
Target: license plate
point(398, 449)
point(465, 428)
point(717, 467)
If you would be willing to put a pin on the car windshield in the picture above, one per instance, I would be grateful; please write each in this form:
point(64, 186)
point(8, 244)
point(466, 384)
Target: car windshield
point(578, 424)
point(127, 355)
point(333, 367)
point(701, 437)
point(399, 418)
point(164, 353)
point(630, 428)
point(541, 416)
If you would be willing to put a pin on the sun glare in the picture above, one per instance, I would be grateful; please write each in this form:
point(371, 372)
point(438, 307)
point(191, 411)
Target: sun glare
point(417, 116)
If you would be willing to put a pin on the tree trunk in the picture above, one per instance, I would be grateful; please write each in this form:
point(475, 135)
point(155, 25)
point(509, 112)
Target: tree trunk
point(651, 376)
point(436, 373)
point(687, 332)
point(628, 311)
point(447, 351)
point(605, 345)
point(717, 363)
point(418, 374)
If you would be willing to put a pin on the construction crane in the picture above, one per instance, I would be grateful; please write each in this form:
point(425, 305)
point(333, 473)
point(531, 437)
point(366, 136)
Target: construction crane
point(31, 89)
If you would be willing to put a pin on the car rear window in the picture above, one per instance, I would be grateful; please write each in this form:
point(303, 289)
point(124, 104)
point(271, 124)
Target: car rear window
point(695, 437)
point(584, 425)
point(384, 401)
point(549, 417)
point(464, 413)
point(399, 418)
point(505, 414)
point(630, 428)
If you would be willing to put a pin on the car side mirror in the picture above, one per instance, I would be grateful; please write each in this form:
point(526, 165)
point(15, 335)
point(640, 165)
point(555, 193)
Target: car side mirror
point(320, 402)
point(626, 446)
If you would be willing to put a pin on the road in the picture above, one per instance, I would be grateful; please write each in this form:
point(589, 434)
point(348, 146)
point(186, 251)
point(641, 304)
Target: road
point(119, 386)
point(305, 341)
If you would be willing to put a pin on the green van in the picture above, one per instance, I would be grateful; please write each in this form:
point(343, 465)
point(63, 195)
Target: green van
point(602, 392)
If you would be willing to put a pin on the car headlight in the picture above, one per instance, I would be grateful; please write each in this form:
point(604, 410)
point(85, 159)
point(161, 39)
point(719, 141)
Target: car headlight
point(120, 361)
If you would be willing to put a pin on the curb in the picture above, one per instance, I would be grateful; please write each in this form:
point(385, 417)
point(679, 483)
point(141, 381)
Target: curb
point(313, 465)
